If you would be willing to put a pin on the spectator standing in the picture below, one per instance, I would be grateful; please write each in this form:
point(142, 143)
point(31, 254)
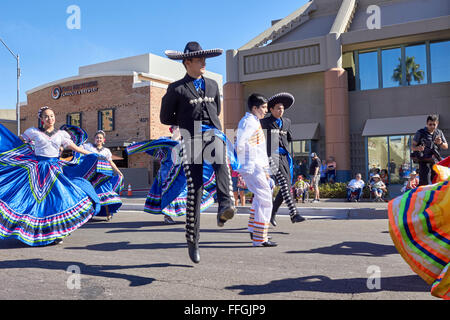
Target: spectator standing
point(331, 170)
point(242, 189)
point(314, 173)
point(323, 172)
point(304, 168)
point(426, 145)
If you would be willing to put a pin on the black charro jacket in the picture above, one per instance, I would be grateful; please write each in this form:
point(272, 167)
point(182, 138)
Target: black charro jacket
point(271, 127)
point(182, 105)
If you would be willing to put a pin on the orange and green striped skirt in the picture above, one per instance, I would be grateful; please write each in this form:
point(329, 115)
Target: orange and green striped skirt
point(419, 225)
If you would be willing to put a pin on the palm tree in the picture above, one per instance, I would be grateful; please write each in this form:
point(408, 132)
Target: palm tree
point(412, 71)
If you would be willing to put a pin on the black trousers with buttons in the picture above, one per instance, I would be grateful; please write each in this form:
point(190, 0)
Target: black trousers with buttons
point(211, 149)
point(283, 179)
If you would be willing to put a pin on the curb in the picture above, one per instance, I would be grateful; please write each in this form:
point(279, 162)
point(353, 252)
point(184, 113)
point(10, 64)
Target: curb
point(309, 213)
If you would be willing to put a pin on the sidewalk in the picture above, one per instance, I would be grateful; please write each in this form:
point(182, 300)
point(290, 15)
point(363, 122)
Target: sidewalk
point(325, 209)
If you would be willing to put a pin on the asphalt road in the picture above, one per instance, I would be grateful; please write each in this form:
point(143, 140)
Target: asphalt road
point(136, 256)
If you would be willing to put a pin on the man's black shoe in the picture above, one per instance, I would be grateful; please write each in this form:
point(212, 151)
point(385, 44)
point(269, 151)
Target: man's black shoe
point(273, 220)
point(225, 215)
point(297, 218)
point(194, 252)
point(267, 244)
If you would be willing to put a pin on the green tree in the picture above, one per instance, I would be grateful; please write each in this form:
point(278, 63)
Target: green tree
point(412, 71)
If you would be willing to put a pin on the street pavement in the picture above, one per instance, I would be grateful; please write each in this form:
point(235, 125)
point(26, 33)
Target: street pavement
point(137, 256)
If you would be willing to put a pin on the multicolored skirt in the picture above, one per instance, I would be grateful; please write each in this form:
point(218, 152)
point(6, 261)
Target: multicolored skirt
point(107, 186)
point(42, 199)
point(419, 225)
point(168, 193)
point(108, 190)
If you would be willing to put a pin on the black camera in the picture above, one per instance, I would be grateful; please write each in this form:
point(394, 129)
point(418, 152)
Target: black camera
point(418, 156)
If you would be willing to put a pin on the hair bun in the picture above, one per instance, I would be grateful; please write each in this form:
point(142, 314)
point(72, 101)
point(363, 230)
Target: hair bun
point(42, 110)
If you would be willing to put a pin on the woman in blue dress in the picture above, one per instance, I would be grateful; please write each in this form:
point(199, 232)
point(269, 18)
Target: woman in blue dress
point(168, 193)
point(42, 198)
point(107, 188)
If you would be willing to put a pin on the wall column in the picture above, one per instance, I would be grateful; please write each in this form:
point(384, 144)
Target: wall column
point(337, 121)
point(233, 93)
point(233, 104)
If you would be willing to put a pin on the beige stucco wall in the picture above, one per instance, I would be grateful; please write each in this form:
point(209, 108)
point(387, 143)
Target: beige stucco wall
point(307, 90)
point(398, 102)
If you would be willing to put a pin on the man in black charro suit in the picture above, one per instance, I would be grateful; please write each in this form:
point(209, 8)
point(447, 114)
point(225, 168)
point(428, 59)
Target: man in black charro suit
point(191, 103)
point(278, 131)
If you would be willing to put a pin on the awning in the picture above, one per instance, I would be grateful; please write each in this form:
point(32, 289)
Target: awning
point(305, 131)
point(394, 126)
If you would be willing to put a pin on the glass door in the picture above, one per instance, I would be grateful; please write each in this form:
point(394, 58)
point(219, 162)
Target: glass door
point(377, 148)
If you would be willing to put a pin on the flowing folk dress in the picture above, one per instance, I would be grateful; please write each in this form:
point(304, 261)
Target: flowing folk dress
point(43, 198)
point(419, 225)
point(106, 185)
point(168, 193)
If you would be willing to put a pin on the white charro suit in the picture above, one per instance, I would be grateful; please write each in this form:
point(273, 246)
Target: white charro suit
point(252, 153)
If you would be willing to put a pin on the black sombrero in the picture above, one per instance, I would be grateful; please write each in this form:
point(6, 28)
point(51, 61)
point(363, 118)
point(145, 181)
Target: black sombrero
point(193, 50)
point(286, 99)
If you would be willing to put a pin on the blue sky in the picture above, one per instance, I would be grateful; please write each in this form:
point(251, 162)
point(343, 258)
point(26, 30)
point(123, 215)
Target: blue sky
point(116, 29)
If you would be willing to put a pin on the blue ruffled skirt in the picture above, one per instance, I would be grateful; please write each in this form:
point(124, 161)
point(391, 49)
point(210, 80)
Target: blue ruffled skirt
point(168, 193)
point(43, 199)
point(107, 186)
point(108, 189)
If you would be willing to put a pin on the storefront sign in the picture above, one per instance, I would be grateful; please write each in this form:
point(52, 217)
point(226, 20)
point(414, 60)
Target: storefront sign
point(77, 89)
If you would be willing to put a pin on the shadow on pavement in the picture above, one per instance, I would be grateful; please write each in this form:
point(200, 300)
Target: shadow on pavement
point(125, 245)
point(365, 249)
point(134, 226)
point(97, 224)
point(318, 283)
point(91, 270)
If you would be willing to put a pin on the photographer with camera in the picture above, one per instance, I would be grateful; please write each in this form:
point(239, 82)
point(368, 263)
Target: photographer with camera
point(426, 146)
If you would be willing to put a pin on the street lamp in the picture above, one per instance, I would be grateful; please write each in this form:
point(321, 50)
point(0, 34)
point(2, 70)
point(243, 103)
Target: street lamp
point(18, 93)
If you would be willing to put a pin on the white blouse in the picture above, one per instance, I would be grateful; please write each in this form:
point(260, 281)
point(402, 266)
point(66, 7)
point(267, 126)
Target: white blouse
point(104, 151)
point(47, 146)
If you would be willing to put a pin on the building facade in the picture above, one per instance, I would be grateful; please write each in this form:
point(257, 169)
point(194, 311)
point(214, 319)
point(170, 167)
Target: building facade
point(365, 75)
point(122, 98)
point(8, 118)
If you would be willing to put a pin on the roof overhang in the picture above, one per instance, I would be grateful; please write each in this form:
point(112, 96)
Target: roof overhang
point(394, 126)
point(305, 131)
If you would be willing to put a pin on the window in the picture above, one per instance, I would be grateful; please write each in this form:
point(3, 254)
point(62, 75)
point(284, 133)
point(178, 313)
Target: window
point(390, 154)
point(106, 120)
point(300, 151)
point(404, 65)
point(368, 70)
point(416, 64)
point(440, 64)
point(391, 67)
point(74, 119)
